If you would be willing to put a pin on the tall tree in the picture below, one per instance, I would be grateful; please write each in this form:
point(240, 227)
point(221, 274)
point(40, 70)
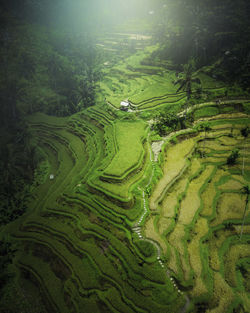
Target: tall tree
point(187, 81)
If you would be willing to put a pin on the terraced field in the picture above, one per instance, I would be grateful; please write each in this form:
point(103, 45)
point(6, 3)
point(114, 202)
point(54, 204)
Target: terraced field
point(197, 207)
point(144, 82)
point(111, 227)
point(94, 237)
point(145, 86)
point(77, 243)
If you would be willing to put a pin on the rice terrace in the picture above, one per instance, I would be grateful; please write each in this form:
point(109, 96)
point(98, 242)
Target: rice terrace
point(138, 202)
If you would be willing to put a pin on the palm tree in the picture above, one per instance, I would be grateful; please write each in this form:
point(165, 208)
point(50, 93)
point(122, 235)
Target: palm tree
point(246, 191)
point(188, 79)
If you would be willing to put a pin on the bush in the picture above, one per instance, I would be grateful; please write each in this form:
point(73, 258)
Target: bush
point(231, 160)
point(146, 248)
point(168, 122)
point(245, 131)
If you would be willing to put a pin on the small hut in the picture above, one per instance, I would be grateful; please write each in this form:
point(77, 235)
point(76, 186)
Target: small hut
point(125, 105)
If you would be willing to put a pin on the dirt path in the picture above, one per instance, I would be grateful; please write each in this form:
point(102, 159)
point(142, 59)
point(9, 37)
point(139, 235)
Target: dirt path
point(137, 229)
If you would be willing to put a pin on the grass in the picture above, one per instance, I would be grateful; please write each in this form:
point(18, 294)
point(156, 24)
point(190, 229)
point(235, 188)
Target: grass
point(208, 82)
point(161, 87)
point(204, 112)
point(129, 141)
point(125, 167)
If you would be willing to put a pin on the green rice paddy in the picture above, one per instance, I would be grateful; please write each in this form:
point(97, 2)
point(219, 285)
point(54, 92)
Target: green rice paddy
point(115, 231)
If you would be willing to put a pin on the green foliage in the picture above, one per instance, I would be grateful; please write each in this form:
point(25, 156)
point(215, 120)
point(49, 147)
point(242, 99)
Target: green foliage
point(168, 122)
point(7, 252)
point(40, 173)
point(19, 158)
point(245, 131)
point(205, 126)
point(129, 149)
point(206, 111)
point(246, 107)
point(246, 190)
point(173, 140)
point(146, 248)
point(51, 72)
point(207, 31)
point(77, 242)
point(186, 82)
point(231, 160)
point(40, 70)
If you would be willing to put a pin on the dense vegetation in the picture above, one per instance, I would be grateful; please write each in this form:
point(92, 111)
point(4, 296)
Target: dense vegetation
point(209, 32)
point(41, 70)
point(144, 209)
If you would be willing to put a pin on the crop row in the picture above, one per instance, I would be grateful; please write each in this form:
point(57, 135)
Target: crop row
point(198, 207)
point(77, 244)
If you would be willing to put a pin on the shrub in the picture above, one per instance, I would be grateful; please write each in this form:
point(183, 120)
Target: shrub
point(245, 131)
point(233, 157)
point(173, 140)
point(146, 248)
point(168, 122)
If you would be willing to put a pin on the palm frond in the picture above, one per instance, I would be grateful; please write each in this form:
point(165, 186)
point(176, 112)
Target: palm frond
point(196, 80)
point(181, 86)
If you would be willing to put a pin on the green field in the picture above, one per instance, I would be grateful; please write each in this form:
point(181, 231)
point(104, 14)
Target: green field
point(129, 140)
point(116, 230)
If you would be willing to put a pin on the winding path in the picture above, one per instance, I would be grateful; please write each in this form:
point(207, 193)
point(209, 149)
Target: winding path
point(137, 229)
point(156, 148)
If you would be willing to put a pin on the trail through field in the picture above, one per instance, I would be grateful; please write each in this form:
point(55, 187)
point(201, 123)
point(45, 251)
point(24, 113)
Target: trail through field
point(172, 160)
point(137, 229)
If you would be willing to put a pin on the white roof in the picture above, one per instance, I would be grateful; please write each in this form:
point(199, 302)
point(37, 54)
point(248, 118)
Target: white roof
point(124, 103)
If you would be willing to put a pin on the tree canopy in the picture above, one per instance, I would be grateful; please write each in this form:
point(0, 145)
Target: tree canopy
point(207, 31)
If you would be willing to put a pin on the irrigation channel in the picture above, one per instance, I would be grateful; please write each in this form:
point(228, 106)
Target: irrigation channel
point(137, 229)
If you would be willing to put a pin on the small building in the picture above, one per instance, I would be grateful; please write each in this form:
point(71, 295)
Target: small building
point(125, 105)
